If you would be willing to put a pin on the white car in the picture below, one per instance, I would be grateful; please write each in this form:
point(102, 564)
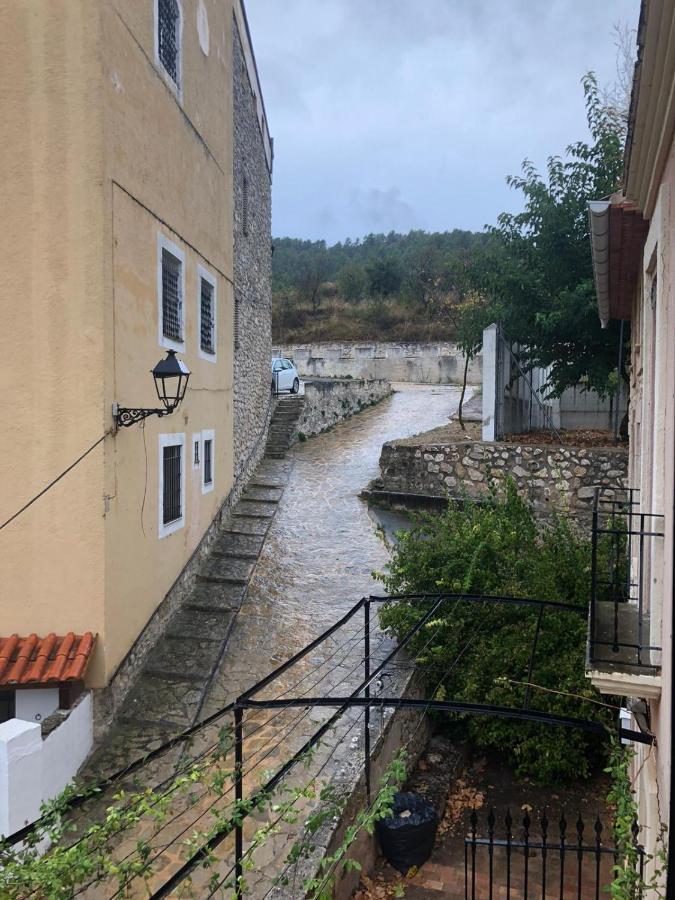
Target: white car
point(285, 376)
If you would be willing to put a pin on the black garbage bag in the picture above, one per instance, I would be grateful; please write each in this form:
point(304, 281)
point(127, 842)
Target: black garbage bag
point(407, 836)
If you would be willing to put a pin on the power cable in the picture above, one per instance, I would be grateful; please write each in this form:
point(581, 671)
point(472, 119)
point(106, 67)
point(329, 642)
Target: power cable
point(55, 480)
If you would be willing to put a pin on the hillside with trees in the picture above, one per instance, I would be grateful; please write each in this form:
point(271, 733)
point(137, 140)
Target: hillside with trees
point(383, 286)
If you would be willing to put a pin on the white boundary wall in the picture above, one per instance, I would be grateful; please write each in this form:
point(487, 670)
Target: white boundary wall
point(34, 770)
point(508, 404)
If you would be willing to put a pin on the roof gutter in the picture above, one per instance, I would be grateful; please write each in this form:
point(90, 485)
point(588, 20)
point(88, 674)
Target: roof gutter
point(598, 221)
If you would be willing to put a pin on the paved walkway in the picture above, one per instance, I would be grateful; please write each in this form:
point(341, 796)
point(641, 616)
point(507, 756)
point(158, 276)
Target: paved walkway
point(317, 561)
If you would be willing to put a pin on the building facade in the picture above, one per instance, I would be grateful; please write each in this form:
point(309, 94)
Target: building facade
point(633, 237)
point(130, 127)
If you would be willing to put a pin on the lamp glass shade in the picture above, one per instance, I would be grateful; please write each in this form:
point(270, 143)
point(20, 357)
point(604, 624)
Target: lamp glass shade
point(171, 377)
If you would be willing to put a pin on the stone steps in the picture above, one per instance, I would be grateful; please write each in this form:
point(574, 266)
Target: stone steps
point(167, 694)
point(283, 425)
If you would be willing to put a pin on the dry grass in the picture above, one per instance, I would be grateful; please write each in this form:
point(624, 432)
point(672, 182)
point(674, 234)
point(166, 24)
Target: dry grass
point(368, 320)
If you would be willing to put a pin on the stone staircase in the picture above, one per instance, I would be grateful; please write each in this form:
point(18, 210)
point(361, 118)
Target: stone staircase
point(284, 420)
point(168, 694)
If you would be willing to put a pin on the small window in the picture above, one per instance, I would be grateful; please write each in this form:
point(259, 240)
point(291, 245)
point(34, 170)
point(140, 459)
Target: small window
point(206, 330)
point(206, 287)
point(244, 206)
point(168, 37)
point(208, 460)
point(172, 299)
point(237, 323)
point(172, 507)
point(208, 472)
point(171, 483)
point(195, 458)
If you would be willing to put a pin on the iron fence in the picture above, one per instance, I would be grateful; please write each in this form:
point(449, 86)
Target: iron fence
point(626, 541)
point(546, 858)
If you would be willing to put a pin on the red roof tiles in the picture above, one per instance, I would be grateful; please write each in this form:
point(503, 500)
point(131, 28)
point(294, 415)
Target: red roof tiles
point(34, 660)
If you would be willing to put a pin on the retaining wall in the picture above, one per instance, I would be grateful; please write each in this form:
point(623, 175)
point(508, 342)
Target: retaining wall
point(329, 401)
point(550, 477)
point(432, 363)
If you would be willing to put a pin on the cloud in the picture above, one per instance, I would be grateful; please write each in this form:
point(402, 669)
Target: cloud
point(381, 210)
point(394, 114)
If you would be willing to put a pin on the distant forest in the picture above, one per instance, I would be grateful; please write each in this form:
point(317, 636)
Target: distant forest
point(383, 286)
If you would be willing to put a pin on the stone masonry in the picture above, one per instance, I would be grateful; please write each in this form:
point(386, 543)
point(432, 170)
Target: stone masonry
point(329, 401)
point(550, 477)
point(252, 274)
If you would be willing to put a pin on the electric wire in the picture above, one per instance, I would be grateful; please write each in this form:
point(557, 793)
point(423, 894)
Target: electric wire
point(204, 753)
point(424, 712)
point(271, 749)
point(96, 789)
point(55, 480)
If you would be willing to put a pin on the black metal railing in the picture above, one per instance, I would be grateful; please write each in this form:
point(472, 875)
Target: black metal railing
point(541, 858)
point(624, 543)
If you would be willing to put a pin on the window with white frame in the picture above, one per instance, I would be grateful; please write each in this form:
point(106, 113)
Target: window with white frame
point(207, 314)
point(208, 460)
point(168, 37)
point(171, 483)
point(170, 293)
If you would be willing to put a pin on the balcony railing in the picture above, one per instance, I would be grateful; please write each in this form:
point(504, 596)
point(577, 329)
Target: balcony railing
point(624, 543)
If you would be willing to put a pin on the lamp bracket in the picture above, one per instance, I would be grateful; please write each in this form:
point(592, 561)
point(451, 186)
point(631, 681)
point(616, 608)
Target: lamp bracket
point(124, 417)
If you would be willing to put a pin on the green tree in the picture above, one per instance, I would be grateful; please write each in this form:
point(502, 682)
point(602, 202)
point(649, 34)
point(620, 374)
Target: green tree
point(384, 276)
point(535, 272)
point(352, 282)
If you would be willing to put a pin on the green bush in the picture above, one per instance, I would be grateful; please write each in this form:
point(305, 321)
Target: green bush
point(480, 652)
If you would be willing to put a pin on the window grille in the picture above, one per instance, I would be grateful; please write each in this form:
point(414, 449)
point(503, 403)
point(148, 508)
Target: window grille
point(244, 206)
point(207, 317)
point(172, 500)
point(172, 302)
point(237, 323)
point(208, 462)
point(168, 25)
point(196, 456)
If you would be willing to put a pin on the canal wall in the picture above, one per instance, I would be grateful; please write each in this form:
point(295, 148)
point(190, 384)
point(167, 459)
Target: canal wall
point(330, 400)
point(441, 362)
point(552, 478)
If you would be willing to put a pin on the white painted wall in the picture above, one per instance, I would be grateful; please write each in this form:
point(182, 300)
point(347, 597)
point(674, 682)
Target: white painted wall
point(33, 770)
point(510, 408)
point(35, 704)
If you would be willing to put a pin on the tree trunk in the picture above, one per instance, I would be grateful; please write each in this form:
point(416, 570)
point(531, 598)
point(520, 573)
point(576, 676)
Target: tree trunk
point(461, 399)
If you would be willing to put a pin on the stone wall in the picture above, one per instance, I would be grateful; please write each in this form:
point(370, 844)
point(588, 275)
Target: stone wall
point(252, 272)
point(329, 401)
point(551, 477)
point(434, 363)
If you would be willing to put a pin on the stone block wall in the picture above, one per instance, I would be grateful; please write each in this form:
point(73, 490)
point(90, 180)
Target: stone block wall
point(329, 401)
point(550, 477)
point(252, 224)
point(433, 363)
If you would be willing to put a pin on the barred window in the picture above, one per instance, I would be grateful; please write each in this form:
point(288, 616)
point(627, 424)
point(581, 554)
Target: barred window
point(168, 36)
point(172, 500)
point(244, 206)
point(207, 320)
point(208, 461)
point(237, 323)
point(172, 301)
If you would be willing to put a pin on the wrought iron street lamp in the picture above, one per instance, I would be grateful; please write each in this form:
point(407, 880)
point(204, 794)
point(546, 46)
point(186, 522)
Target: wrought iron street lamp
point(171, 377)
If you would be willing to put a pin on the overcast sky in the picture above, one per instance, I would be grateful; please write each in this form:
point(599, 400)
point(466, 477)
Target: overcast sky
point(400, 114)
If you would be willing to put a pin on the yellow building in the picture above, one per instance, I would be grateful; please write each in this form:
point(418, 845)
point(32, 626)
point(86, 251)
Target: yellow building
point(118, 154)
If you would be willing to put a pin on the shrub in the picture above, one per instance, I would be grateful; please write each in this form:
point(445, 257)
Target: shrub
point(480, 652)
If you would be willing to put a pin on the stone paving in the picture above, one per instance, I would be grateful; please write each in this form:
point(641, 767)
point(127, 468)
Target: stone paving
point(317, 559)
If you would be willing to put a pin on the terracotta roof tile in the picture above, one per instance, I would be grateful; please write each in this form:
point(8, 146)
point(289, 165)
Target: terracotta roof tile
point(48, 660)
